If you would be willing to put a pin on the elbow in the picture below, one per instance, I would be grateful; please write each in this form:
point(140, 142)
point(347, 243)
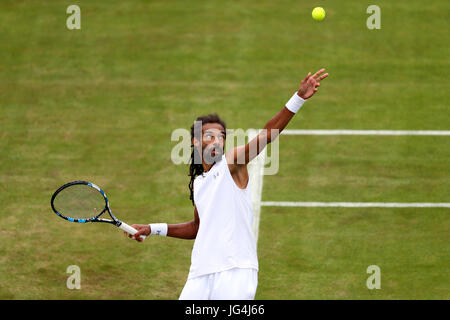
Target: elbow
point(194, 230)
point(192, 235)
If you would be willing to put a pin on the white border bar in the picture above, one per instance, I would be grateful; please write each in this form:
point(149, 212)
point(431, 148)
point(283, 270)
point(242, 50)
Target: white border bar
point(368, 132)
point(355, 204)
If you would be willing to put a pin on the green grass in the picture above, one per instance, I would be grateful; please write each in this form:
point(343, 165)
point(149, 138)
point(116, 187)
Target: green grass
point(323, 253)
point(100, 104)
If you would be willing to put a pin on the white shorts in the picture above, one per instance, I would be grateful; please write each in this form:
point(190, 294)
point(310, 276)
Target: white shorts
point(233, 284)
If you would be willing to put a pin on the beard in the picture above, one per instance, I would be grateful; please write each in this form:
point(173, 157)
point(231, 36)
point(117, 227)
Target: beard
point(212, 154)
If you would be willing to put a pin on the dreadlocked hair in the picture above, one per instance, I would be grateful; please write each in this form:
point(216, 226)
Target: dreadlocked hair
point(196, 169)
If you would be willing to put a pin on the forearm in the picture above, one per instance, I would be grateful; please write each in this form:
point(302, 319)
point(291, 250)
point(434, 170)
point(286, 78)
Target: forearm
point(187, 230)
point(277, 124)
point(244, 154)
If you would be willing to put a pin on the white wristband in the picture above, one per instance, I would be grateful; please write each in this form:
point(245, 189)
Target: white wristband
point(159, 229)
point(295, 103)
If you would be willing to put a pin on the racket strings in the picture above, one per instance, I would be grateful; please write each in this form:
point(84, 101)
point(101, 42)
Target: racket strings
point(79, 202)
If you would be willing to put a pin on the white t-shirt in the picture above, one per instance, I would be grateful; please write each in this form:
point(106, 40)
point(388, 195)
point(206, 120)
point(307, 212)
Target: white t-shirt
point(225, 238)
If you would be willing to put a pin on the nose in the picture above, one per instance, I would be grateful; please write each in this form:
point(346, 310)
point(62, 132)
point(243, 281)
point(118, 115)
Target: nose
point(216, 141)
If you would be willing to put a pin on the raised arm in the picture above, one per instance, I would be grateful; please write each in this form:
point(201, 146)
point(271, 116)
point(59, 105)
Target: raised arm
point(240, 156)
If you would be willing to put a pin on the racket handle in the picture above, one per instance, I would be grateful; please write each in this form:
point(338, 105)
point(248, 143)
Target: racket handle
point(128, 229)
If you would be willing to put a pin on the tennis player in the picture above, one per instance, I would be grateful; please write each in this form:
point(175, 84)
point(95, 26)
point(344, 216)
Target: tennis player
point(224, 262)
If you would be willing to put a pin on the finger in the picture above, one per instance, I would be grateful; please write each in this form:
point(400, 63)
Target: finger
point(318, 72)
point(322, 77)
point(307, 77)
point(137, 235)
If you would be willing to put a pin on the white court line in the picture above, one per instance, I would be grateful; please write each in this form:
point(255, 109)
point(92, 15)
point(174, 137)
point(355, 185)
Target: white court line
point(256, 173)
point(356, 204)
point(368, 132)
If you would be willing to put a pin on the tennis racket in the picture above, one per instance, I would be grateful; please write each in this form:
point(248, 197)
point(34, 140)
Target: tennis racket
point(82, 202)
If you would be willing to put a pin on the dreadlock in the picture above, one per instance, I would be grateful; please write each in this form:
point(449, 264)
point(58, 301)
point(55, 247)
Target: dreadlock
point(196, 169)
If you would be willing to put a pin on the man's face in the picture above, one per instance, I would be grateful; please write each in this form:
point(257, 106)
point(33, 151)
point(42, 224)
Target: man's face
point(213, 141)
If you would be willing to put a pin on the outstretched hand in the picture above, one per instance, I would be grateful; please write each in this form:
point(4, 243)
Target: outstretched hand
point(310, 85)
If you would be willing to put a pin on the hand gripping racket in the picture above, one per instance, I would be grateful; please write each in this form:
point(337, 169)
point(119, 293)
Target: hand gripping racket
point(82, 201)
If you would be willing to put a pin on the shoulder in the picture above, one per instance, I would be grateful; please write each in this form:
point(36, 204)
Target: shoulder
point(233, 162)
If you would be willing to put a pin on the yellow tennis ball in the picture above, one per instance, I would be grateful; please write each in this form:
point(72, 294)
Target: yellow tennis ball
point(318, 14)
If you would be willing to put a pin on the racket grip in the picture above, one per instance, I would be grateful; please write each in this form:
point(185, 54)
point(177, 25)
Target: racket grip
point(128, 229)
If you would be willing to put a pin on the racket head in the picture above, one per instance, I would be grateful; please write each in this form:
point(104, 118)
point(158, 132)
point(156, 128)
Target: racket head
point(80, 201)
